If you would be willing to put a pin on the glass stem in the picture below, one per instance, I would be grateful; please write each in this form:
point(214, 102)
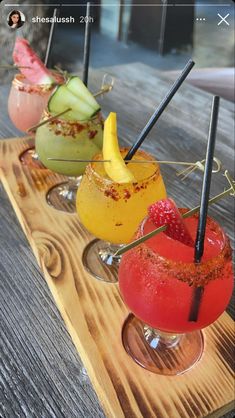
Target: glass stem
point(106, 254)
point(35, 156)
point(156, 338)
point(70, 190)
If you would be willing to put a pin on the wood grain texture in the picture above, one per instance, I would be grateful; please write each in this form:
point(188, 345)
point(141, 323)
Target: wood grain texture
point(94, 313)
point(41, 374)
point(36, 352)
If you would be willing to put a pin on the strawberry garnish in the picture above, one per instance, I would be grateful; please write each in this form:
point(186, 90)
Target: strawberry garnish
point(165, 212)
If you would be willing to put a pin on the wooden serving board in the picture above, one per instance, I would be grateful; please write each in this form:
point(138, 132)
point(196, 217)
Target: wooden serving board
point(94, 312)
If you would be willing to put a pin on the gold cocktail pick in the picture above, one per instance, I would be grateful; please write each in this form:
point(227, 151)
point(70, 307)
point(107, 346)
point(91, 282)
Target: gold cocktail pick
point(201, 166)
point(63, 73)
point(77, 161)
point(107, 161)
point(195, 165)
point(105, 88)
point(43, 122)
point(230, 191)
point(12, 67)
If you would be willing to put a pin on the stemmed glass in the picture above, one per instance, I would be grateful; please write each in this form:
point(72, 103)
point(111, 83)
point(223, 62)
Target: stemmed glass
point(157, 280)
point(60, 141)
point(112, 211)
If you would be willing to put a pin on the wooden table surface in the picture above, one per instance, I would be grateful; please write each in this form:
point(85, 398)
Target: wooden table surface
point(41, 374)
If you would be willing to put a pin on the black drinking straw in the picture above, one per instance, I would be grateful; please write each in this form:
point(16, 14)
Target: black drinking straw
point(156, 115)
point(48, 50)
point(87, 42)
point(205, 192)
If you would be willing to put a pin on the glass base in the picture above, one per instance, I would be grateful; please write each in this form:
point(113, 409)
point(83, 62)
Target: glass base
point(63, 196)
point(30, 158)
point(160, 352)
point(97, 260)
point(83, 376)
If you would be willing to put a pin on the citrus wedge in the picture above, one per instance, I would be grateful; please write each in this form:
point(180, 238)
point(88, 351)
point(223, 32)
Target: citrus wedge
point(116, 169)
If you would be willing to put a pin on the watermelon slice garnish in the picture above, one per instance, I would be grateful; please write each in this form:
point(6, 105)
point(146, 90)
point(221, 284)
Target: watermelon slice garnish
point(165, 212)
point(30, 64)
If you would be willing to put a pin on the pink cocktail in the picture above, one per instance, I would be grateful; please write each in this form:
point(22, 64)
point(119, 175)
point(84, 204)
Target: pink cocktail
point(26, 102)
point(157, 281)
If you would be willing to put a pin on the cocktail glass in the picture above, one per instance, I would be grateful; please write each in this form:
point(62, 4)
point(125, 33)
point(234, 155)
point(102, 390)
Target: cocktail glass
point(112, 211)
point(25, 106)
point(67, 139)
point(157, 281)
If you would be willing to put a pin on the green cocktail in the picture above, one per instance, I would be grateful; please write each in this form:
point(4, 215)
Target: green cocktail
point(68, 139)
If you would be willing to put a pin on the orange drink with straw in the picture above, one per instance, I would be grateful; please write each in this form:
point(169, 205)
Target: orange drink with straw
point(114, 196)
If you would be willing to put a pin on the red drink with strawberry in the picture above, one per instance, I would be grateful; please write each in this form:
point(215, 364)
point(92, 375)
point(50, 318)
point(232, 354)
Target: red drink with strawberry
point(157, 279)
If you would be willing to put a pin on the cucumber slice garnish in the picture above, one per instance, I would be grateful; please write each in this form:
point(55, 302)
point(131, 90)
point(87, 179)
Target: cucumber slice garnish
point(76, 86)
point(62, 99)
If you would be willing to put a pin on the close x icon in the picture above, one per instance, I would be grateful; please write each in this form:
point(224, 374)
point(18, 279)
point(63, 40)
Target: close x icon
point(223, 19)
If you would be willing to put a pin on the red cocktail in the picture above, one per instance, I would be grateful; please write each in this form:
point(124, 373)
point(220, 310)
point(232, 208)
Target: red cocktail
point(157, 281)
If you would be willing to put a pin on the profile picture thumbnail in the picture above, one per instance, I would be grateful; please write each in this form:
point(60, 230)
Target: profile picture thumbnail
point(16, 19)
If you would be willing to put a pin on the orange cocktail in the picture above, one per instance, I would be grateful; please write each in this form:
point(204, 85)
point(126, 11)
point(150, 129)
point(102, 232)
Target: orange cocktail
point(112, 211)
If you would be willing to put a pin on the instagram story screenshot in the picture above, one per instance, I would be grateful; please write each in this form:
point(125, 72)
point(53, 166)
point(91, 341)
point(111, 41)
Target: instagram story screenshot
point(117, 208)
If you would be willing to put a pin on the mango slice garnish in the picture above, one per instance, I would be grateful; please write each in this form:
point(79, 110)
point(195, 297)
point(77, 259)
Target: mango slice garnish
point(116, 169)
